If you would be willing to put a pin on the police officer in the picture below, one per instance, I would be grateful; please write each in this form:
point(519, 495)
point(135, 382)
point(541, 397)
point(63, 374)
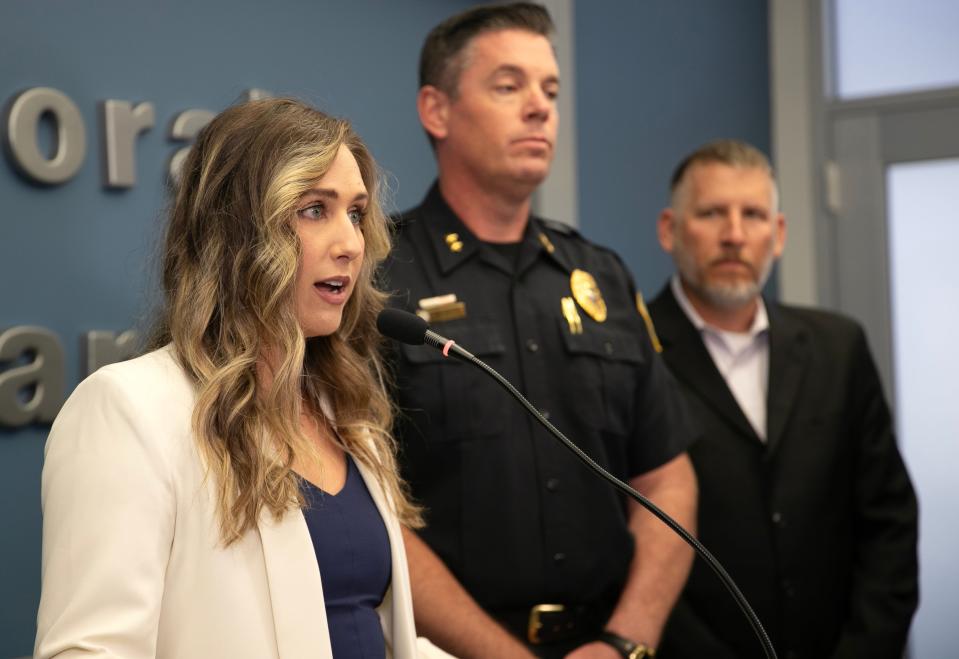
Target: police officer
point(542, 547)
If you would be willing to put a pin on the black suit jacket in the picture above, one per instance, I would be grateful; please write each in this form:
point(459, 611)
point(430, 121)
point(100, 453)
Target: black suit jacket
point(818, 526)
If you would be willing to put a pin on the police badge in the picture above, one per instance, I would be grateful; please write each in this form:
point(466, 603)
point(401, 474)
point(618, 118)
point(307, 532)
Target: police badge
point(587, 295)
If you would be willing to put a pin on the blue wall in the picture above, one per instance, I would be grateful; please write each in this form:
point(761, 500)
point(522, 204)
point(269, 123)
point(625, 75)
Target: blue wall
point(655, 79)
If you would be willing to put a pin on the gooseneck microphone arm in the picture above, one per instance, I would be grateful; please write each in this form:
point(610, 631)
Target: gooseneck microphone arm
point(413, 330)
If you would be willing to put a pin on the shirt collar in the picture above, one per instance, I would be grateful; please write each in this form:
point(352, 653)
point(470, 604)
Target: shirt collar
point(455, 244)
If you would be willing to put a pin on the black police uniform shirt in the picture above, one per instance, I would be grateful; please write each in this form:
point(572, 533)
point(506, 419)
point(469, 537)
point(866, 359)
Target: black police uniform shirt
point(515, 516)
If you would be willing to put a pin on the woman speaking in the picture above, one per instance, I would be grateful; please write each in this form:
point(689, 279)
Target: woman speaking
point(233, 492)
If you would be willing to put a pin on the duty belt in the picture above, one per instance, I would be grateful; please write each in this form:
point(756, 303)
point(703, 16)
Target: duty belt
point(555, 623)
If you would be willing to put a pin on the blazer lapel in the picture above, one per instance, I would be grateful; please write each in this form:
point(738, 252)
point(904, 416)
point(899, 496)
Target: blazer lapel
point(296, 590)
point(396, 611)
point(788, 356)
point(690, 362)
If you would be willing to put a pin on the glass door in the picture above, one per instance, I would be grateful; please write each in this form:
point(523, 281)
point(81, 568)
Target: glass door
point(890, 226)
point(923, 219)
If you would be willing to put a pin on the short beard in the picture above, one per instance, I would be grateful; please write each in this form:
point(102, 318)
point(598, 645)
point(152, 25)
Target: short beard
point(726, 295)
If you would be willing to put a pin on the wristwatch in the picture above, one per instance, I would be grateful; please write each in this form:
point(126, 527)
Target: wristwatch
point(627, 648)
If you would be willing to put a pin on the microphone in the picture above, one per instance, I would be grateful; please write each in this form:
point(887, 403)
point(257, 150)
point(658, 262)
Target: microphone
point(410, 329)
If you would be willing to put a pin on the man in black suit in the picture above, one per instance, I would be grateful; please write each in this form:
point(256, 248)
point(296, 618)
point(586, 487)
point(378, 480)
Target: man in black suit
point(804, 497)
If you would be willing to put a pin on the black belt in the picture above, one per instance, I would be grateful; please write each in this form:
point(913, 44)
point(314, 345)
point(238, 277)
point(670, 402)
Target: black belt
point(554, 623)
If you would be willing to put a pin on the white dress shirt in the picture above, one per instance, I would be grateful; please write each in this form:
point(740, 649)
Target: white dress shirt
point(741, 357)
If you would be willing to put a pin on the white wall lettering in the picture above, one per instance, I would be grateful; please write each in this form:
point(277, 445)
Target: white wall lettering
point(30, 392)
point(22, 121)
point(122, 123)
point(104, 348)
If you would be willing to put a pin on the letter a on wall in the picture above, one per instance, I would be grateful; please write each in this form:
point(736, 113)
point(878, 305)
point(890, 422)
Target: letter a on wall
point(31, 389)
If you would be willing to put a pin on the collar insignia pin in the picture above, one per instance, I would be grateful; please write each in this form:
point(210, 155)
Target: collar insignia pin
point(454, 242)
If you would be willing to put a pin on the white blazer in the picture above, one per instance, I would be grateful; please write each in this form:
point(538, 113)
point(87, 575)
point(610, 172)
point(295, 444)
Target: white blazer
point(132, 563)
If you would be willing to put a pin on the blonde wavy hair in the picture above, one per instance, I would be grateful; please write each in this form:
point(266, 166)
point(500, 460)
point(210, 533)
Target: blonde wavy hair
point(229, 268)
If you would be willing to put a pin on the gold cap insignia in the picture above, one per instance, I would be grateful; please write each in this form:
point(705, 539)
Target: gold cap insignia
point(587, 295)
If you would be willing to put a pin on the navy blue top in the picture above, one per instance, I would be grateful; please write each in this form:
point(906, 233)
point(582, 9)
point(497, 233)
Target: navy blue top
point(353, 552)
